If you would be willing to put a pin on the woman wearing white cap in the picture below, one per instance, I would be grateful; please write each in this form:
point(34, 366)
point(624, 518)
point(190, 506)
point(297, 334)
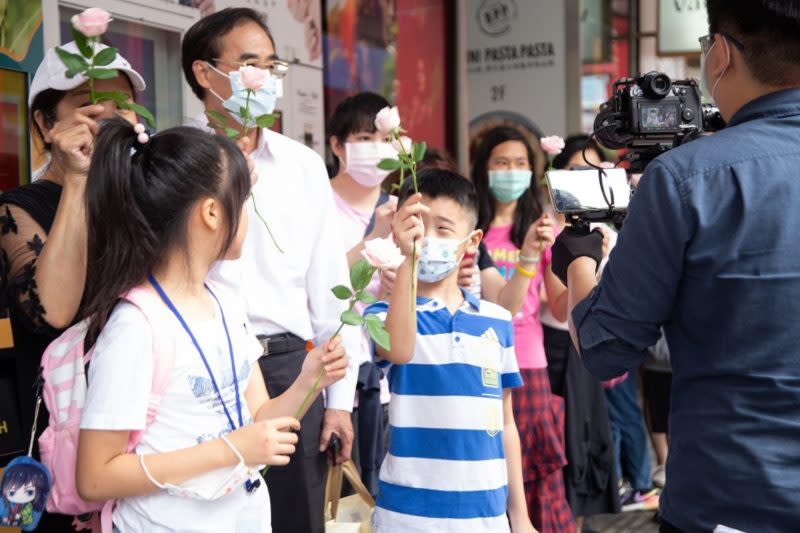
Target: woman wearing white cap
point(43, 233)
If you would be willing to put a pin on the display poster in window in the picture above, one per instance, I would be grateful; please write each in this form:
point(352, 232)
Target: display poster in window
point(398, 49)
point(516, 68)
point(21, 43)
point(14, 162)
point(21, 51)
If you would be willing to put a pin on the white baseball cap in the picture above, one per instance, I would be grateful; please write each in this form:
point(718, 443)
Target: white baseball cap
point(52, 73)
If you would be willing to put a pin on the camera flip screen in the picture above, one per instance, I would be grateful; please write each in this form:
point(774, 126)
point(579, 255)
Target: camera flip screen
point(655, 118)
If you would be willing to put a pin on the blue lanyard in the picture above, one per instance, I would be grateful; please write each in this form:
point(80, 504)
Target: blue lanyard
point(177, 314)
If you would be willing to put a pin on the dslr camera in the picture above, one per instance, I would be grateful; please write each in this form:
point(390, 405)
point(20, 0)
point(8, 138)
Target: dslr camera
point(652, 114)
point(647, 116)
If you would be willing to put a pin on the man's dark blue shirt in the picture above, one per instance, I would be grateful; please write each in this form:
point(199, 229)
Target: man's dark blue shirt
point(710, 249)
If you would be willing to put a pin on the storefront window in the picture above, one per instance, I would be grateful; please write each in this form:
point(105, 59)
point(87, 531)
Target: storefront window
point(605, 50)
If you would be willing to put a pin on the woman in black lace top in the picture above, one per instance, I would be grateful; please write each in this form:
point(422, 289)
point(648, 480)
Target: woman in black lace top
point(43, 227)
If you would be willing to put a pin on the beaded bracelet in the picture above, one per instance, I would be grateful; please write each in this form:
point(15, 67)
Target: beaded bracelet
point(529, 260)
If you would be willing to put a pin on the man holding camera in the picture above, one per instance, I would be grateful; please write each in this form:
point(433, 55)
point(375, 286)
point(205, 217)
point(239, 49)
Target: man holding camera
point(709, 250)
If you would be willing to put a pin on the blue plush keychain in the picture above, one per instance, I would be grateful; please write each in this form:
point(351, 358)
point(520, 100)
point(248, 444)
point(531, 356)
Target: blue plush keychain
point(24, 488)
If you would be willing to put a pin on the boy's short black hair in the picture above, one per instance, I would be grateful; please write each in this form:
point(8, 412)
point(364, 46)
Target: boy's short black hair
point(770, 33)
point(437, 183)
point(202, 40)
point(355, 113)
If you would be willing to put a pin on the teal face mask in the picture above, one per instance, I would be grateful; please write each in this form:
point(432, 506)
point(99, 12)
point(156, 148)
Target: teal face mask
point(508, 185)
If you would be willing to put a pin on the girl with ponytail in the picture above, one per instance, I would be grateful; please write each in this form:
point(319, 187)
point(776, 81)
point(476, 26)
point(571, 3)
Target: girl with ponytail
point(160, 212)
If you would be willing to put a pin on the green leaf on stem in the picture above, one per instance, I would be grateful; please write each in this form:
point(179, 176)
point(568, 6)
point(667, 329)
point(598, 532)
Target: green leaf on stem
point(373, 318)
point(342, 292)
point(232, 133)
point(104, 96)
point(102, 73)
point(351, 318)
point(265, 121)
point(419, 151)
point(75, 64)
point(121, 98)
point(361, 274)
point(244, 113)
point(140, 110)
point(377, 332)
point(366, 297)
point(389, 164)
point(105, 57)
point(82, 41)
point(217, 117)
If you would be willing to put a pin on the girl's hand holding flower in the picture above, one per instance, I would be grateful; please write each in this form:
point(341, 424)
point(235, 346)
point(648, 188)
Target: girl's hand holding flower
point(330, 360)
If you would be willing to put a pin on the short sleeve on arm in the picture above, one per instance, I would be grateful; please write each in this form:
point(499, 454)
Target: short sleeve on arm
point(120, 373)
point(510, 377)
point(252, 347)
point(484, 258)
point(622, 316)
point(242, 333)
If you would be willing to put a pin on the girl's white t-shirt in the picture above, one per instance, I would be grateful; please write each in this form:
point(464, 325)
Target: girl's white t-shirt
point(120, 382)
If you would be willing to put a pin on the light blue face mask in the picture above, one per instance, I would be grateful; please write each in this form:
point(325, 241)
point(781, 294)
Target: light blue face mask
point(262, 101)
point(509, 185)
point(438, 258)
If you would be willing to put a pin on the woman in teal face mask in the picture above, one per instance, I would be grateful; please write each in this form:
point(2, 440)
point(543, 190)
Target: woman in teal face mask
point(513, 221)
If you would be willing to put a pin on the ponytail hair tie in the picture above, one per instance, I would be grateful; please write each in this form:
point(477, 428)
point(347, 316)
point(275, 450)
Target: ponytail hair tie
point(141, 136)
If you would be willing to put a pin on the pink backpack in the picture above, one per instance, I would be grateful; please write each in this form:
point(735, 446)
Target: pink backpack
point(64, 393)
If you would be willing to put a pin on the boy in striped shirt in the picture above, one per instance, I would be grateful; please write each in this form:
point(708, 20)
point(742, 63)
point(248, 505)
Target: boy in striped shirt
point(454, 462)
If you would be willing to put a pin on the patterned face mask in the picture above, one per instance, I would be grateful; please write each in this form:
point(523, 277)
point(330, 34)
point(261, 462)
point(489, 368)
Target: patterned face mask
point(438, 259)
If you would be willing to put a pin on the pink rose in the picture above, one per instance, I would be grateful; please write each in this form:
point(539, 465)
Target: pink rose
point(92, 22)
point(253, 78)
point(403, 145)
point(382, 253)
point(552, 145)
point(387, 120)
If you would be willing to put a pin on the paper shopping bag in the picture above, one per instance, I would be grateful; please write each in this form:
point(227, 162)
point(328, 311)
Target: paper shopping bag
point(353, 513)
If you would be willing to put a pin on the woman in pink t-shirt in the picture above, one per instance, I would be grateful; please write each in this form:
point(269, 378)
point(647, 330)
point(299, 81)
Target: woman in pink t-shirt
point(509, 210)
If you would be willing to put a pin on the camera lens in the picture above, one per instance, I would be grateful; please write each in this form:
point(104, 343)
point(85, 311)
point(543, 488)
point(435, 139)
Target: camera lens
point(656, 84)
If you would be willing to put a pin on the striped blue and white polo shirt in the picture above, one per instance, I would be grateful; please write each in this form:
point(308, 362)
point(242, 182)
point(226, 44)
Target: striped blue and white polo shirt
point(446, 468)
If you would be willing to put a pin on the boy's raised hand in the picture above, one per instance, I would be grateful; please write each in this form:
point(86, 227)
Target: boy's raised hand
point(407, 225)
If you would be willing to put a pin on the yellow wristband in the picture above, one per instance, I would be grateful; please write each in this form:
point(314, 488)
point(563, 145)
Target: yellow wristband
point(530, 274)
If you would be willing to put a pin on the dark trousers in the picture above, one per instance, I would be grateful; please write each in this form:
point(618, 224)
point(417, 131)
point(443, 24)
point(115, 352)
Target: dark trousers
point(666, 527)
point(296, 490)
point(630, 436)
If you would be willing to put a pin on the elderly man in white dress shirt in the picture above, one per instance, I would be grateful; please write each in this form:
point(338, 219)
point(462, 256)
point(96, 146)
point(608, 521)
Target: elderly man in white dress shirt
point(287, 290)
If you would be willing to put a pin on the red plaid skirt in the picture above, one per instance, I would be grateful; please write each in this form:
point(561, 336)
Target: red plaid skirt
point(540, 420)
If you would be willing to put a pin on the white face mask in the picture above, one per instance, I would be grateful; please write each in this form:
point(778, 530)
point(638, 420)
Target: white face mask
point(362, 160)
point(704, 77)
point(438, 258)
point(211, 485)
